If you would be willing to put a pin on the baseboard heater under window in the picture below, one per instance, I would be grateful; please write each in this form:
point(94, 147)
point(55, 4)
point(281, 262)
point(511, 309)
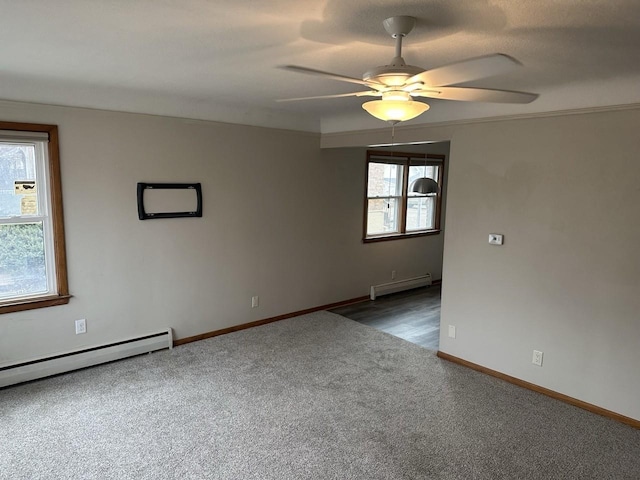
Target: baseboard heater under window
point(400, 285)
point(66, 362)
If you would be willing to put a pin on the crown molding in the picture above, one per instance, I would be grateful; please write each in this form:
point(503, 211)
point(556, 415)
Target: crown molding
point(337, 139)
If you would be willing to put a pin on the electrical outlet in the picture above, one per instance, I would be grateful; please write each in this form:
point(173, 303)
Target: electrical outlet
point(255, 301)
point(537, 358)
point(393, 274)
point(81, 326)
point(452, 331)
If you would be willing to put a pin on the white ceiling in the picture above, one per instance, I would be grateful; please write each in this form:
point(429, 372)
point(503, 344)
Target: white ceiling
point(217, 60)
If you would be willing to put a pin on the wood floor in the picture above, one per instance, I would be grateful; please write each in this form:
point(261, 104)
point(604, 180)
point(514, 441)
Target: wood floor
point(413, 315)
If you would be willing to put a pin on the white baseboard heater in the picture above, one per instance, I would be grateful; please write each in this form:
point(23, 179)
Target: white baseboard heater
point(66, 362)
point(400, 285)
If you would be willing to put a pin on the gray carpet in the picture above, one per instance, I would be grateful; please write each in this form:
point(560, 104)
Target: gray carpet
point(312, 397)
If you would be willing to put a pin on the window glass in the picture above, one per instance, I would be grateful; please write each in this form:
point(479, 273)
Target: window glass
point(23, 250)
point(22, 260)
point(385, 180)
point(421, 213)
point(18, 192)
point(382, 215)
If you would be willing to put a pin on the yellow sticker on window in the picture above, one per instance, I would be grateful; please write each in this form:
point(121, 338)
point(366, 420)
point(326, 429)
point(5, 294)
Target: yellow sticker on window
point(24, 187)
point(29, 205)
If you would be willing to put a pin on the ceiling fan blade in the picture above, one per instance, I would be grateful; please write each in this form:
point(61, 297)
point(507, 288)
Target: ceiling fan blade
point(467, 70)
point(334, 76)
point(468, 94)
point(371, 93)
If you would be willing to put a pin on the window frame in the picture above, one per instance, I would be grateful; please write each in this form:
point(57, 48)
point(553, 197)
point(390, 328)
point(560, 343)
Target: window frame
point(54, 203)
point(406, 159)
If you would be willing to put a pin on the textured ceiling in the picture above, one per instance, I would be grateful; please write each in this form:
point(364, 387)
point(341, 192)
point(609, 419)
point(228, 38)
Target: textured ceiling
point(217, 60)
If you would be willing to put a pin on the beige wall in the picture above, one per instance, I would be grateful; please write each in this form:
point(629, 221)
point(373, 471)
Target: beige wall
point(282, 220)
point(565, 192)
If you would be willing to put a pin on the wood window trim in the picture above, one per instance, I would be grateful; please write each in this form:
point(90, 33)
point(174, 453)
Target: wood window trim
point(57, 219)
point(403, 158)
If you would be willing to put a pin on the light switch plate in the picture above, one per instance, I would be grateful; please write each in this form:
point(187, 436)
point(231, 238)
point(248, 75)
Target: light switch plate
point(495, 239)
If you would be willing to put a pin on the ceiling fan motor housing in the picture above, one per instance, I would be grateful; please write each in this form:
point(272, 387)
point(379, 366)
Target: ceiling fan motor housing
point(394, 75)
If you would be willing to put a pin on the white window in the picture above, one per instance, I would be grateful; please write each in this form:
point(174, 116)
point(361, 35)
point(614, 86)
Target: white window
point(392, 209)
point(32, 257)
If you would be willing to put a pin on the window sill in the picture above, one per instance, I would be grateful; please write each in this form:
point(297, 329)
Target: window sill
point(398, 236)
point(32, 303)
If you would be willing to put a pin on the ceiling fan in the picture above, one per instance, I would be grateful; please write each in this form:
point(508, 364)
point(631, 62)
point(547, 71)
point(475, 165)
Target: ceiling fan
point(398, 83)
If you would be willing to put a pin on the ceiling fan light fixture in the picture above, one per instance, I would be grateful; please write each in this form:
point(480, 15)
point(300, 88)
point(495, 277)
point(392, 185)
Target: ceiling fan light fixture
point(395, 111)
